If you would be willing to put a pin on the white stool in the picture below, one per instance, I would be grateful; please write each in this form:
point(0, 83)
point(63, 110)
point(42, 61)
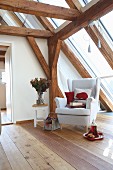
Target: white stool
point(41, 112)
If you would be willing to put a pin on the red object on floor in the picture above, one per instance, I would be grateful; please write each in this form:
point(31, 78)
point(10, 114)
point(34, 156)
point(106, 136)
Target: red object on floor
point(100, 136)
point(93, 134)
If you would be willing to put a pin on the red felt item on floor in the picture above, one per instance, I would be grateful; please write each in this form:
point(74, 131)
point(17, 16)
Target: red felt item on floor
point(91, 138)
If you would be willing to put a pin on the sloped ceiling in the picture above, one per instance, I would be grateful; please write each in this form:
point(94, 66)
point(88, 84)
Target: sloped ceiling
point(78, 20)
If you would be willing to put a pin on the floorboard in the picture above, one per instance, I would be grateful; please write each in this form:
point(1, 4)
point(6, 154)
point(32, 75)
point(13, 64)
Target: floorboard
point(25, 147)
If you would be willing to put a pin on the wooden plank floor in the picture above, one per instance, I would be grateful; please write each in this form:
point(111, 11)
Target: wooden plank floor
point(4, 117)
point(24, 147)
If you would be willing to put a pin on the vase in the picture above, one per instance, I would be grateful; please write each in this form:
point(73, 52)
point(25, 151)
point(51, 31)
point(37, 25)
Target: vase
point(40, 98)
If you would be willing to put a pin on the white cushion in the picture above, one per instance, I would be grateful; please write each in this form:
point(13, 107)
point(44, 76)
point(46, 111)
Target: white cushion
point(73, 111)
point(85, 83)
point(87, 91)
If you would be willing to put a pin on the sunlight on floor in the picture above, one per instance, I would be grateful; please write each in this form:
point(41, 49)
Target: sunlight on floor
point(4, 118)
point(107, 150)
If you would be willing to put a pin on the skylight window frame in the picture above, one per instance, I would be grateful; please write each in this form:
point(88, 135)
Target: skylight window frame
point(88, 68)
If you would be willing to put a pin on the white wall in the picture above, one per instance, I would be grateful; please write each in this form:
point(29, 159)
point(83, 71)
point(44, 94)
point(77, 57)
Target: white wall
point(65, 71)
point(24, 68)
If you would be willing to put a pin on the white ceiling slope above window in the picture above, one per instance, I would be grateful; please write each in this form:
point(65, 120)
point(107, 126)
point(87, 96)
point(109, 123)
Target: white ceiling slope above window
point(61, 3)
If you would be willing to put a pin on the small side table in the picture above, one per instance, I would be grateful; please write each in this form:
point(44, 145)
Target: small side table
point(41, 112)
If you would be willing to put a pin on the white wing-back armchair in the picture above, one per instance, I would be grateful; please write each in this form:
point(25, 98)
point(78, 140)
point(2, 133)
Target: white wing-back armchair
point(80, 116)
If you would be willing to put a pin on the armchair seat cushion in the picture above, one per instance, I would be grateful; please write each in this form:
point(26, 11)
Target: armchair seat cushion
point(73, 111)
point(80, 101)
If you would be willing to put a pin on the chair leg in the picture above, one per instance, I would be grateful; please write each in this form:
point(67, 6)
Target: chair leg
point(86, 128)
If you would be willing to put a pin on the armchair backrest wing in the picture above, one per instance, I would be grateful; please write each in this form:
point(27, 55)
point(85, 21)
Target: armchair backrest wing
point(86, 83)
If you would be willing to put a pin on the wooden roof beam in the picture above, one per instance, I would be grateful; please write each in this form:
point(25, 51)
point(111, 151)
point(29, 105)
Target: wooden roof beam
point(84, 73)
point(76, 63)
point(22, 31)
point(106, 52)
point(39, 9)
point(39, 55)
point(74, 4)
point(96, 11)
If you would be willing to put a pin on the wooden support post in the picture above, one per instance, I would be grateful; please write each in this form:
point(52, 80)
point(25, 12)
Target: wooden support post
point(53, 50)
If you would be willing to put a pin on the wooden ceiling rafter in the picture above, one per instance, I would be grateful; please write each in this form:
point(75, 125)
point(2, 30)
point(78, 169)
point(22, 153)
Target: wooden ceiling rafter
point(84, 73)
point(39, 55)
point(48, 26)
point(74, 4)
point(35, 48)
point(106, 52)
point(95, 34)
point(105, 49)
point(96, 11)
point(39, 9)
point(22, 31)
point(76, 63)
point(42, 17)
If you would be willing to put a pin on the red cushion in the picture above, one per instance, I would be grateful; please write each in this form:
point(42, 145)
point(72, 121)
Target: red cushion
point(70, 96)
point(82, 96)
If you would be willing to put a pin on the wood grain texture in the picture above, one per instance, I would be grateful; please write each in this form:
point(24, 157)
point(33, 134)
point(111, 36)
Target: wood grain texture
point(39, 9)
point(77, 64)
point(105, 50)
point(54, 47)
point(45, 23)
point(22, 31)
point(74, 4)
point(101, 8)
point(15, 157)
point(69, 144)
point(33, 151)
point(4, 163)
point(74, 60)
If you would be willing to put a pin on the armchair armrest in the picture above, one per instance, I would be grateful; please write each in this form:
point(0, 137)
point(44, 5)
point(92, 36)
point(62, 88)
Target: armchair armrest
point(60, 102)
point(90, 101)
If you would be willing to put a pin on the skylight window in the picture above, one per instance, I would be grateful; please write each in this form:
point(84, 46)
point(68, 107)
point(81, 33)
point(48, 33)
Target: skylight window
point(84, 2)
point(106, 20)
point(94, 62)
point(94, 59)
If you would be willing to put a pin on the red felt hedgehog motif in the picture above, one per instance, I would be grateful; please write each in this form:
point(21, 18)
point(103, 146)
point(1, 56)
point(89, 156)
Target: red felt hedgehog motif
point(82, 95)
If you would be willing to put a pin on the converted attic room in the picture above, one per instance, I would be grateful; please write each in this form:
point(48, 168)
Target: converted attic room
point(56, 85)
